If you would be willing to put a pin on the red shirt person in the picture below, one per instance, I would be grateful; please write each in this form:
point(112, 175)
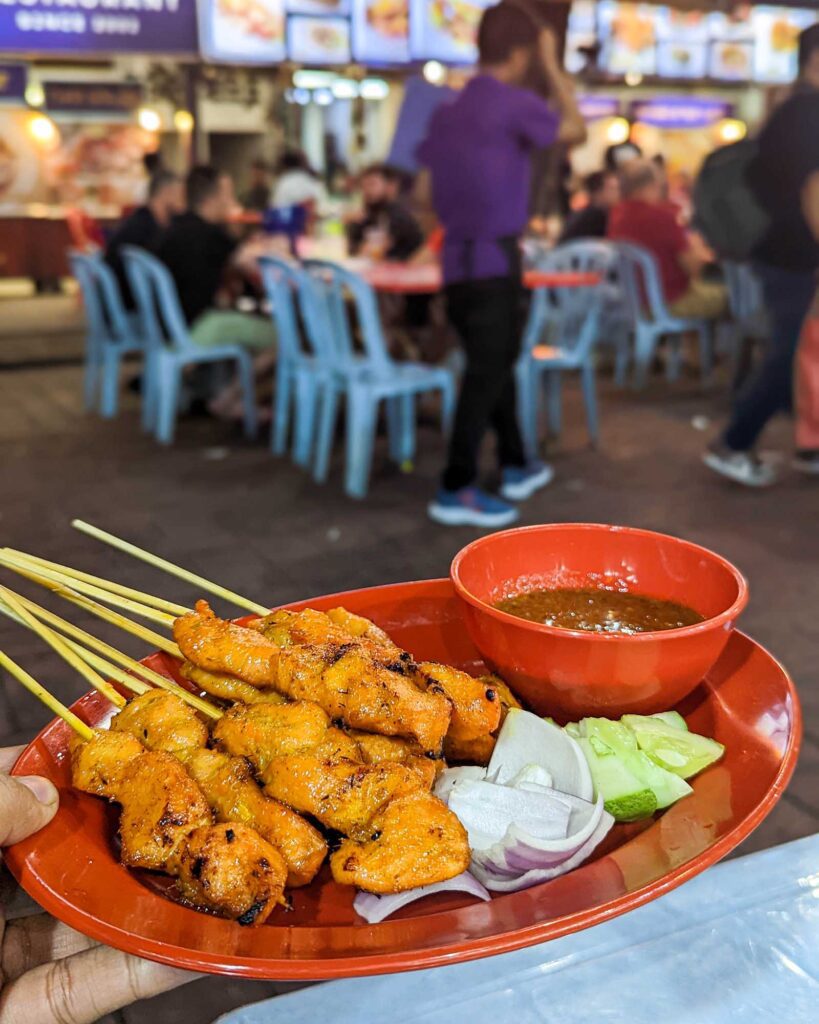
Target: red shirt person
point(644, 217)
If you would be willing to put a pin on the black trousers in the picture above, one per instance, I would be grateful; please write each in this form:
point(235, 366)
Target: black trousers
point(488, 316)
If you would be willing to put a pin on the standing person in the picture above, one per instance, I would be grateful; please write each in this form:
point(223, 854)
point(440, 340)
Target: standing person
point(479, 152)
point(145, 226)
point(603, 190)
point(785, 177)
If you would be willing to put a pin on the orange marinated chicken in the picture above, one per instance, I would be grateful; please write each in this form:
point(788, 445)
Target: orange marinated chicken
point(161, 805)
point(363, 629)
point(261, 732)
point(234, 795)
point(232, 869)
point(415, 840)
point(375, 749)
point(479, 750)
point(162, 721)
point(228, 687)
point(476, 707)
point(219, 646)
point(97, 765)
point(342, 795)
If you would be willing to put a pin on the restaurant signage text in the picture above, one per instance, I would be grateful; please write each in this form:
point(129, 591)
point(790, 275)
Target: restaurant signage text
point(87, 97)
point(12, 82)
point(594, 108)
point(98, 26)
point(680, 111)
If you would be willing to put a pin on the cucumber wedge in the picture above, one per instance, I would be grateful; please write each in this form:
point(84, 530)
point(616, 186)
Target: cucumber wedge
point(682, 753)
point(624, 796)
point(616, 737)
point(671, 718)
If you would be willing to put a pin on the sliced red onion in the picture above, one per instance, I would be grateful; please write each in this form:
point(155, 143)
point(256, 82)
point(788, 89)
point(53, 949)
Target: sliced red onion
point(374, 908)
point(449, 777)
point(527, 740)
point(487, 812)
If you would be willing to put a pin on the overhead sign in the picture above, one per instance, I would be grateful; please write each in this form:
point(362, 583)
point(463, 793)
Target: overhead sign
point(88, 97)
point(12, 82)
point(680, 111)
point(98, 26)
point(594, 108)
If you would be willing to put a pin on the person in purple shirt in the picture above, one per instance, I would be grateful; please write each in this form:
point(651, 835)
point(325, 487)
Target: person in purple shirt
point(478, 151)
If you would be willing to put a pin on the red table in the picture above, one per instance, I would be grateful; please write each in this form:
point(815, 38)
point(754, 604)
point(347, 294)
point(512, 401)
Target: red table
point(427, 279)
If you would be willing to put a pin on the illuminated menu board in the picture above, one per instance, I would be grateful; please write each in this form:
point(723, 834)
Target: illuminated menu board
point(242, 31)
point(629, 37)
point(446, 30)
point(776, 33)
point(381, 31)
point(312, 40)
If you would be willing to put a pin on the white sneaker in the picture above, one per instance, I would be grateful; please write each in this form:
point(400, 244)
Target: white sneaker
point(741, 467)
point(520, 482)
point(806, 462)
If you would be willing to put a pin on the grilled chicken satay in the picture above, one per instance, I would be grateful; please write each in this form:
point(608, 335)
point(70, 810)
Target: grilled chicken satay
point(415, 840)
point(234, 796)
point(376, 749)
point(342, 677)
point(476, 707)
point(166, 825)
point(162, 721)
point(479, 749)
point(228, 687)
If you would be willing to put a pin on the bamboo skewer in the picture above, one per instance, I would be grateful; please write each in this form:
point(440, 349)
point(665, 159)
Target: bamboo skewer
point(113, 655)
point(19, 563)
point(84, 731)
point(135, 628)
point(116, 588)
point(174, 570)
point(61, 646)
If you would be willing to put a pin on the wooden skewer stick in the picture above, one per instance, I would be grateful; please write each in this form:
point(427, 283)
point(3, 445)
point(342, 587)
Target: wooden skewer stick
point(61, 647)
point(18, 563)
point(135, 668)
point(84, 731)
point(148, 635)
point(116, 588)
point(174, 570)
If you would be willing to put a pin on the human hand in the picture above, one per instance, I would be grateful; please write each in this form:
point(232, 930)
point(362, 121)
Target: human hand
point(547, 48)
point(49, 971)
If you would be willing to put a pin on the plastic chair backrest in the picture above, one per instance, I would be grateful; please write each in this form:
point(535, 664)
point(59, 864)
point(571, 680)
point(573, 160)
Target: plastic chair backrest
point(572, 315)
point(107, 319)
point(342, 284)
point(642, 284)
point(281, 282)
point(157, 299)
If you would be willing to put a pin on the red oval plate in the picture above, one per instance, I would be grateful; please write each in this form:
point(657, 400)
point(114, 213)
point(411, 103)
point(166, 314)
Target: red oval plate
point(747, 702)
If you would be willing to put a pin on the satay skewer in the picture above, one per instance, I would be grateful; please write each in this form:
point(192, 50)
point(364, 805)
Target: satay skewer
point(169, 567)
point(85, 732)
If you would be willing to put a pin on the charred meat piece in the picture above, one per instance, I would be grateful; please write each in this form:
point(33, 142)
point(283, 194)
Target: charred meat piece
point(162, 721)
point(98, 765)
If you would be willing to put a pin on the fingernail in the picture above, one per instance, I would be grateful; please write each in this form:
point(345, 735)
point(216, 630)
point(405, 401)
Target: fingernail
point(42, 789)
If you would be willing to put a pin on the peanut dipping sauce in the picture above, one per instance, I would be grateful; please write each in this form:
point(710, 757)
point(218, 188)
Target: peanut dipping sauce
point(599, 611)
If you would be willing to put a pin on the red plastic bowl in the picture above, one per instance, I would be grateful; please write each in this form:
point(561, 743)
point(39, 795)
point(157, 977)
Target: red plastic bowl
point(571, 673)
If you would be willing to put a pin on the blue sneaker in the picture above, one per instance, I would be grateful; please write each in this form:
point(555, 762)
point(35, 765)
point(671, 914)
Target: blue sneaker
point(520, 482)
point(470, 507)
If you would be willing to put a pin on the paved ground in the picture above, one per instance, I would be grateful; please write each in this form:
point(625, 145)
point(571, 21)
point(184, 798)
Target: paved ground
point(215, 503)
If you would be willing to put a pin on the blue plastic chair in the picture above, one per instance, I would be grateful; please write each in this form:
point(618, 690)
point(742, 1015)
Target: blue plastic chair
point(750, 323)
point(171, 347)
point(651, 319)
point(363, 378)
point(299, 373)
point(561, 333)
point(111, 334)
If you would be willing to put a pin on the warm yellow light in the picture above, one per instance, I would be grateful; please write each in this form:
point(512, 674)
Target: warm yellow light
point(617, 131)
point(434, 72)
point(633, 79)
point(183, 121)
point(42, 129)
point(149, 120)
point(731, 130)
point(35, 94)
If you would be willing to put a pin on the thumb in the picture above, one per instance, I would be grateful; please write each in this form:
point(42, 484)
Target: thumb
point(27, 804)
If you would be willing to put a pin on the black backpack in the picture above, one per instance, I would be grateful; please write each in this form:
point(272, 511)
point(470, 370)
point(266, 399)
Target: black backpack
point(726, 210)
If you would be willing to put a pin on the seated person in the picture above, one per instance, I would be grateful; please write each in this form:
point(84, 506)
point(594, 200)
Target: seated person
point(257, 196)
point(145, 226)
point(297, 183)
point(603, 190)
point(198, 251)
point(385, 229)
point(644, 217)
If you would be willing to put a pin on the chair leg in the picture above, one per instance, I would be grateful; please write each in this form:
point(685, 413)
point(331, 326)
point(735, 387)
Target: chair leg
point(148, 412)
point(706, 344)
point(527, 402)
point(401, 428)
point(622, 358)
point(674, 362)
point(361, 413)
point(91, 381)
point(281, 411)
point(447, 407)
point(248, 385)
point(554, 382)
point(393, 406)
point(589, 385)
point(645, 342)
point(305, 419)
point(328, 413)
point(109, 400)
point(167, 400)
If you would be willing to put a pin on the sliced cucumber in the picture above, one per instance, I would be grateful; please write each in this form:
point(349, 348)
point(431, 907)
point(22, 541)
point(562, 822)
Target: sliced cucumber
point(666, 786)
point(672, 718)
point(682, 753)
point(625, 797)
